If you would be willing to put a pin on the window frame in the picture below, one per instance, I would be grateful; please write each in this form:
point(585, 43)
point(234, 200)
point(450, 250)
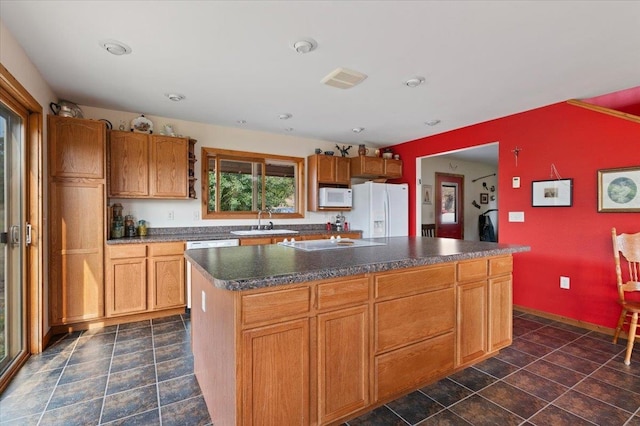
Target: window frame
point(227, 154)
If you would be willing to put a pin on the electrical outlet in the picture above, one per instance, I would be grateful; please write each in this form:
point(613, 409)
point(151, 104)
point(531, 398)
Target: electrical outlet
point(565, 282)
point(171, 215)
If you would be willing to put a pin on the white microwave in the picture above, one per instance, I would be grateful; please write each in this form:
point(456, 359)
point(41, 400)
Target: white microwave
point(335, 197)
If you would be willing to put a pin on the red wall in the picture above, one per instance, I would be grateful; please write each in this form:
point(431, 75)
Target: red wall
point(571, 241)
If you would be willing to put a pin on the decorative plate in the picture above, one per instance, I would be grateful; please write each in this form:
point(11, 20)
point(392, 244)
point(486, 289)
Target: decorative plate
point(142, 125)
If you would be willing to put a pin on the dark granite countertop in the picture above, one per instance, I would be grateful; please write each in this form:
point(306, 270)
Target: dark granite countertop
point(167, 235)
point(250, 267)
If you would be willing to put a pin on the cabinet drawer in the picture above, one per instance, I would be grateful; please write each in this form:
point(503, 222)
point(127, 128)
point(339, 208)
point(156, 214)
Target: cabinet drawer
point(414, 281)
point(265, 307)
point(500, 265)
point(127, 251)
point(342, 293)
point(407, 320)
point(166, 249)
point(413, 366)
point(472, 270)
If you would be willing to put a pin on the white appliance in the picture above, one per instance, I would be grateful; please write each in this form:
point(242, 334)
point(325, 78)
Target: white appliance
point(205, 244)
point(380, 209)
point(335, 197)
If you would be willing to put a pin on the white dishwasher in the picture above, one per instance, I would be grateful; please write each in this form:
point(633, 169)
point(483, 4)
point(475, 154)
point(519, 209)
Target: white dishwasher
point(205, 244)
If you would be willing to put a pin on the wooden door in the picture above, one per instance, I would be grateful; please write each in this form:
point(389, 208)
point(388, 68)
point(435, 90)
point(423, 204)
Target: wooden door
point(76, 247)
point(343, 362)
point(449, 206)
point(326, 168)
point(275, 374)
point(343, 170)
point(167, 281)
point(126, 286)
point(128, 164)
point(472, 322)
point(500, 311)
point(169, 167)
point(76, 147)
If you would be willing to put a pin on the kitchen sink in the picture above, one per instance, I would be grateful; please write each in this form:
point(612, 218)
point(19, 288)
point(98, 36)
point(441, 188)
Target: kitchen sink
point(264, 232)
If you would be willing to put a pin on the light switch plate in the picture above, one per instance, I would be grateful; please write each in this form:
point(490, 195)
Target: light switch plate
point(516, 216)
point(515, 182)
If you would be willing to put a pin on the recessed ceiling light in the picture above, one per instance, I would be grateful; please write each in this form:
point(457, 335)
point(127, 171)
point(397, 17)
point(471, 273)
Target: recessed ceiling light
point(432, 122)
point(285, 116)
point(304, 45)
point(174, 97)
point(241, 121)
point(115, 47)
point(357, 129)
point(414, 82)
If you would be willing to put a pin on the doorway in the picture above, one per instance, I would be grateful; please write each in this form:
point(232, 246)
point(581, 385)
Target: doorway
point(13, 328)
point(449, 204)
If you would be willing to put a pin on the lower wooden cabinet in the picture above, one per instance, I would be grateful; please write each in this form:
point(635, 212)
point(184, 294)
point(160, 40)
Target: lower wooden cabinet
point(324, 351)
point(343, 363)
point(276, 374)
point(144, 277)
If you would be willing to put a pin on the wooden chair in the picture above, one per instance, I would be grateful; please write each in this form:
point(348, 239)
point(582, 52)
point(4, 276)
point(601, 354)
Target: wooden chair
point(629, 246)
point(429, 230)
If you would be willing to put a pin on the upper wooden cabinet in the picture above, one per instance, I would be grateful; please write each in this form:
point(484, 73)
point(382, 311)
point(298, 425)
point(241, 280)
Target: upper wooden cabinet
point(76, 147)
point(323, 171)
point(375, 167)
point(148, 166)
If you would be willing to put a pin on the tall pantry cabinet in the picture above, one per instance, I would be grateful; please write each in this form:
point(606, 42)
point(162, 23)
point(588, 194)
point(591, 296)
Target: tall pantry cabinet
point(77, 200)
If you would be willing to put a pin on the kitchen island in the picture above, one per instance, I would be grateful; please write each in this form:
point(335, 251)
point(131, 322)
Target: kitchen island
point(287, 336)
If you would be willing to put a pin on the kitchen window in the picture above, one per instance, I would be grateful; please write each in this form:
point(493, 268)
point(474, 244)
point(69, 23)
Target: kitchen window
point(238, 184)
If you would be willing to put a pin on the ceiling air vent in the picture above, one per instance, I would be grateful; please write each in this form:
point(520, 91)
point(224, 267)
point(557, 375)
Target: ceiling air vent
point(343, 78)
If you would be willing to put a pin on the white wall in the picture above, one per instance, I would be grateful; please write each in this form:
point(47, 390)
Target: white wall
point(471, 171)
point(188, 212)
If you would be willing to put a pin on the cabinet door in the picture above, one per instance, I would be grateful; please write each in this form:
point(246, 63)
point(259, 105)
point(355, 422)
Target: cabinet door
point(169, 167)
point(126, 286)
point(393, 168)
point(167, 281)
point(326, 168)
point(472, 322)
point(343, 362)
point(343, 170)
point(275, 374)
point(500, 313)
point(128, 164)
point(76, 247)
point(76, 147)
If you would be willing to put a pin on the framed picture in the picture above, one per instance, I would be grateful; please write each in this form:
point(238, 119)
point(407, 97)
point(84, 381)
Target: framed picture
point(552, 193)
point(619, 190)
point(484, 198)
point(427, 194)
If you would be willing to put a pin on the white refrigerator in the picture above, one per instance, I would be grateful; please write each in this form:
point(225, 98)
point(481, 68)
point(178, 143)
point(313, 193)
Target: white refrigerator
point(380, 209)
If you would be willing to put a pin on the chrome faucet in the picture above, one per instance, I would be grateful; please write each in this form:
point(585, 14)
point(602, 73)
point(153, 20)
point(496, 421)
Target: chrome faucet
point(259, 217)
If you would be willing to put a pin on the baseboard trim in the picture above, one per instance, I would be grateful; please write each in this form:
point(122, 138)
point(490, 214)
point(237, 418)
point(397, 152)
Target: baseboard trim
point(569, 321)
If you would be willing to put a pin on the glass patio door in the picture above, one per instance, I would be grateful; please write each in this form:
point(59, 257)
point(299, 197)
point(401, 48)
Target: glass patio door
point(12, 232)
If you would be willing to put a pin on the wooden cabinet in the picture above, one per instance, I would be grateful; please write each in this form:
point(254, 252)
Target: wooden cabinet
point(76, 147)
point(76, 211)
point(323, 351)
point(375, 167)
point(166, 275)
point(276, 374)
point(484, 305)
point(414, 323)
point(326, 171)
point(126, 280)
point(144, 278)
point(148, 166)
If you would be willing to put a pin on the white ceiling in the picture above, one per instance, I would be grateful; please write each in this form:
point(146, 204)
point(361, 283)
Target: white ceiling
point(233, 60)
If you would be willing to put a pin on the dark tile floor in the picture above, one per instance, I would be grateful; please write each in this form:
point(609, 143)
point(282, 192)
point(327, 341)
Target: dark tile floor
point(142, 374)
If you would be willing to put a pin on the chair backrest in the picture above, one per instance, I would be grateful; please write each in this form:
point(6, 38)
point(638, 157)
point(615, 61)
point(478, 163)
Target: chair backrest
point(629, 246)
point(429, 230)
